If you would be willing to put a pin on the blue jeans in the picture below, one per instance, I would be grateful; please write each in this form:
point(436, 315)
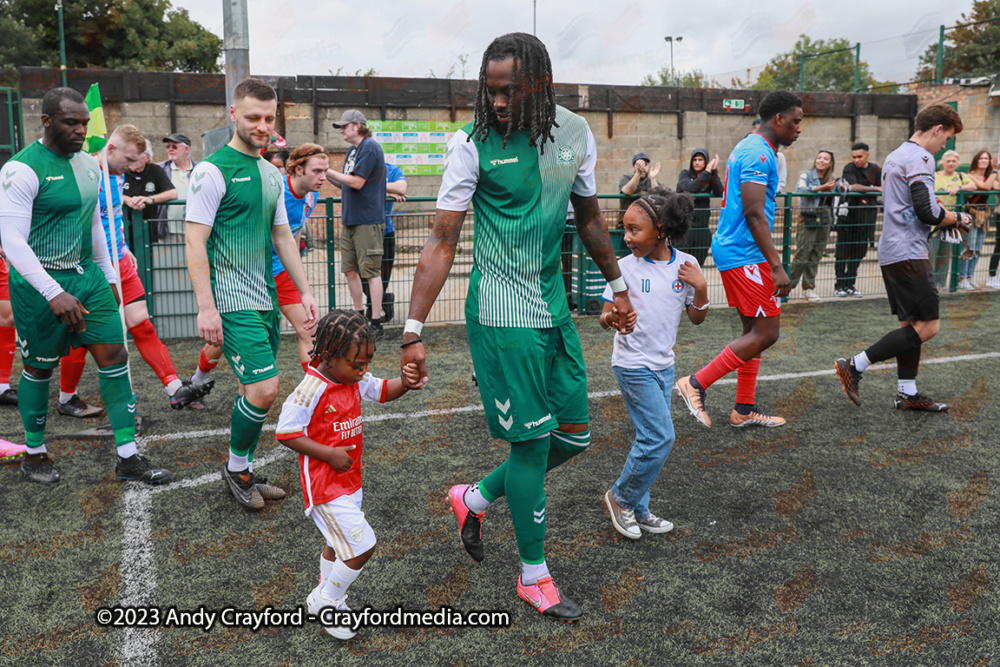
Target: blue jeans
point(647, 398)
point(973, 245)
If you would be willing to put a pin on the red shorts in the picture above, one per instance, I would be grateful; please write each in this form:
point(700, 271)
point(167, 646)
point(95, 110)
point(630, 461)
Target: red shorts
point(288, 294)
point(131, 287)
point(4, 289)
point(749, 289)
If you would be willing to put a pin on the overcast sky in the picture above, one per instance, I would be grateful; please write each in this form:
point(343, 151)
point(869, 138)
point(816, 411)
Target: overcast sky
point(590, 41)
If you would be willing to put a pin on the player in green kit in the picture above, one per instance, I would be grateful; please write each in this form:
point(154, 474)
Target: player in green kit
point(235, 212)
point(51, 232)
point(520, 164)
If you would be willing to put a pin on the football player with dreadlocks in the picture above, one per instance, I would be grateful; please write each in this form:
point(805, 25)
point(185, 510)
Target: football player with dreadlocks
point(321, 420)
point(520, 163)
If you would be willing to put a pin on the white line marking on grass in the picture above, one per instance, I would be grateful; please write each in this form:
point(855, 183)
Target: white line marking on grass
point(138, 569)
point(138, 572)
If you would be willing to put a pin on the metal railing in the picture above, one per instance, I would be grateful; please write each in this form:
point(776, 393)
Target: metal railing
point(843, 253)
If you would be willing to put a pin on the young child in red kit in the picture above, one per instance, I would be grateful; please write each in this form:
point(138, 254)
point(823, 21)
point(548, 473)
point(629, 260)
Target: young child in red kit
point(321, 420)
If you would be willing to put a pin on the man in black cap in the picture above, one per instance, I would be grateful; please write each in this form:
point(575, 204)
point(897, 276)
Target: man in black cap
point(362, 193)
point(641, 180)
point(178, 166)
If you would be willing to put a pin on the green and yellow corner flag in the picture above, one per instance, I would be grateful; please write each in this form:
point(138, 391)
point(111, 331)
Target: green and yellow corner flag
point(97, 130)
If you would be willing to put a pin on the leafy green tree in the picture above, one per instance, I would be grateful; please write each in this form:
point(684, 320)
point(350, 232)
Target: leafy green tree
point(971, 50)
point(109, 34)
point(833, 72)
point(684, 79)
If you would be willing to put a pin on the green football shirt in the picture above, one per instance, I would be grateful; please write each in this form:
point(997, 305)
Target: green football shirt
point(240, 198)
point(520, 198)
point(59, 195)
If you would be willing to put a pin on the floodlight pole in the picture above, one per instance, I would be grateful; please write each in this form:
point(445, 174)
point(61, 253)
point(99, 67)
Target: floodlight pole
point(62, 43)
point(670, 40)
point(236, 42)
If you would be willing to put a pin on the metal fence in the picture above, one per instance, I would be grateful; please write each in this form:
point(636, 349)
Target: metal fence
point(831, 253)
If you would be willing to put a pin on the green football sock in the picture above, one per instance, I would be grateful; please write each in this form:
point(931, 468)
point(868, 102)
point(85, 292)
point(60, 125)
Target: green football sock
point(525, 487)
point(247, 422)
point(564, 446)
point(119, 401)
point(33, 402)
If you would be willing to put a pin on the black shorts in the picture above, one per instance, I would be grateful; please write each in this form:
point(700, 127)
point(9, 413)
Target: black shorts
point(913, 296)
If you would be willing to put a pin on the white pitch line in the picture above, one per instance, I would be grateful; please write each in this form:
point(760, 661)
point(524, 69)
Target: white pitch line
point(138, 569)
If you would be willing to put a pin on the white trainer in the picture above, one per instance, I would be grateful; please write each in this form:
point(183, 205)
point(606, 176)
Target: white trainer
point(316, 602)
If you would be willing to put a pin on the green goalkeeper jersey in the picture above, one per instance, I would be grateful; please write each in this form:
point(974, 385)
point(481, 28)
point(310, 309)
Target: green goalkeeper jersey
point(520, 198)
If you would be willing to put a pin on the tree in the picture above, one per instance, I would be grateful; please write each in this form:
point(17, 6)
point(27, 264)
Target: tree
point(683, 79)
point(833, 72)
point(109, 34)
point(969, 50)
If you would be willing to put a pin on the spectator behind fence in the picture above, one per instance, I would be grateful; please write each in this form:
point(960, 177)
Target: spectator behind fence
point(144, 189)
point(640, 181)
point(701, 176)
point(815, 217)
point(947, 183)
point(279, 159)
point(395, 190)
point(782, 166)
point(858, 229)
point(982, 173)
point(178, 166)
point(994, 281)
point(362, 191)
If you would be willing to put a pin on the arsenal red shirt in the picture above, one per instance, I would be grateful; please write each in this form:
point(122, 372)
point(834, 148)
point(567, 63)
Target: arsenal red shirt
point(330, 414)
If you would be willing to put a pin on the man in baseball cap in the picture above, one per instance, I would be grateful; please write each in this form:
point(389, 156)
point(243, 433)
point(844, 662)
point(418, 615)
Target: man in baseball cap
point(351, 116)
point(362, 191)
point(641, 180)
point(178, 167)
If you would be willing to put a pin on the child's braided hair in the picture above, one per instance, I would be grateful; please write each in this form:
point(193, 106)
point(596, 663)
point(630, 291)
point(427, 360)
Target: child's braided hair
point(671, 212)
point(337, 331)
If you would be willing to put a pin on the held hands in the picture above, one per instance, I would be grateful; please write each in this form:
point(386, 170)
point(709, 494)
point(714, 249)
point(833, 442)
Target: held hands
point(689, 273)
point(410, 375)
point(69, 311)
point(339, 459)
point(415, 355)
point(622, 317)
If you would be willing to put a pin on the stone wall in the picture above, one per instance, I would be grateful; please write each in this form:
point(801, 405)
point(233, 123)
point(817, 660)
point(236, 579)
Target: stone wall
point(980, 115)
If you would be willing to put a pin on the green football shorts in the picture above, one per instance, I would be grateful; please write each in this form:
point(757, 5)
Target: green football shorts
point(250, 343)
point(530, 380)
point(42, 339)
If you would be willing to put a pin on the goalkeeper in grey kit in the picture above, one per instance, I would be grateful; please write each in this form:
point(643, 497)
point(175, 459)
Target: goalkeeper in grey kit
point(912, 213)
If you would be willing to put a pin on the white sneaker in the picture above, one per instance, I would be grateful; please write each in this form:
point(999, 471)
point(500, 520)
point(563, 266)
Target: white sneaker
point(993, 282)
point(972, 284)
point(963, 284)
point(316, 602)
point(810, 295)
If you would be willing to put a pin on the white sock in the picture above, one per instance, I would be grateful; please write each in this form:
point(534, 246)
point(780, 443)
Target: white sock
point(324, 569)
point(237, 463)
point(475, 500)
point(199, 377)
point(340, 578)
point(65, 398)
point(250, 465)
point(530, 574)
point(4, 386)
point(173, 387)
point(40, 449)
point(127, 450)
point(861, 362)
point(908, 387)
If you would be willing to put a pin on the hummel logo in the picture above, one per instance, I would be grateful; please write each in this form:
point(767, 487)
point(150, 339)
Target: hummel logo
point(506, 423)
point(502, 407)
point(54, 178)
point(330, 410)
point(195, 188)
point(540, 516)
point(131, 407)
point(200, 175)
point(245, 179)
point(40, 420)
point(7, 184)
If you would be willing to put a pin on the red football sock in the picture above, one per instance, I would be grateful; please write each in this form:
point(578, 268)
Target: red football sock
point(153, 351)
point(725, 363)
point(7, 348)
point(206, 365)
point(71, 370)
point(746, 381)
